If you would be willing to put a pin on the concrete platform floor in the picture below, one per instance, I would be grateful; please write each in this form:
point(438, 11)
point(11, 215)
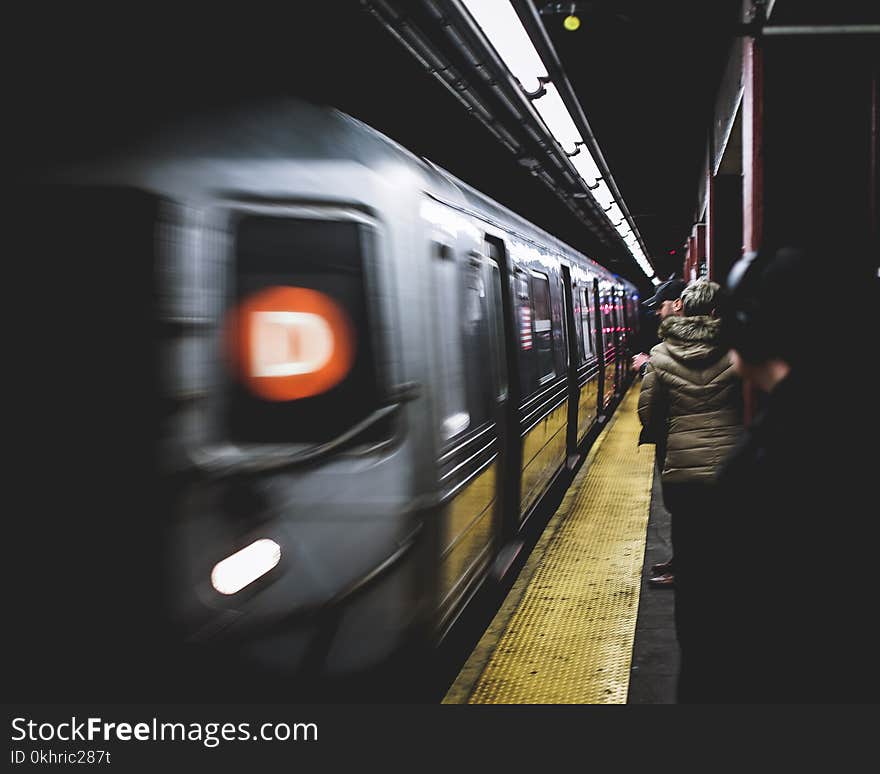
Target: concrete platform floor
point(654, 669)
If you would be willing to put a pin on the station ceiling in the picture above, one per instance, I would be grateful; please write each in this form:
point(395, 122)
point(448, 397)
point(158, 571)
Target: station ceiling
point(645, 73)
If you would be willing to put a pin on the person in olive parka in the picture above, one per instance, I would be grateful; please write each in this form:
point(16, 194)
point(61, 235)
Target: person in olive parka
point(692, 397)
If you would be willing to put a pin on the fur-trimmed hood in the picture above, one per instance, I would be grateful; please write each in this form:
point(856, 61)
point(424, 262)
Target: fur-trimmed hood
point(694, 338)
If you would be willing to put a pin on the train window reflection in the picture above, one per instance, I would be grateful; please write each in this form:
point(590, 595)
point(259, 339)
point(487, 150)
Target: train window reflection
point(605, 321)
point(543, 326)
point(279, 258)
point(525, 311)
point(497, 312)
point(476, 344)
point(589, 346)
point(578, 296)
point(451, 396)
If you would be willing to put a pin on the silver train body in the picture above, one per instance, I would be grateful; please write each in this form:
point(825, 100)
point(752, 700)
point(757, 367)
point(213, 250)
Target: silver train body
point(482, 351)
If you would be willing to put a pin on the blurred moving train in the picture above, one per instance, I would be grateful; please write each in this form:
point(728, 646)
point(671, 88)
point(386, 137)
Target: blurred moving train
point(368, 375)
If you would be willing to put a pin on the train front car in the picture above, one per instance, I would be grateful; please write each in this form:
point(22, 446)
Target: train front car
point(300, 537)
point(294, 444)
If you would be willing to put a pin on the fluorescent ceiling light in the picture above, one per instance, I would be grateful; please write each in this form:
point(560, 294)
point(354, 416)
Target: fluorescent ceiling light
point(643, 262)
point(586, 166)
point(505, 32)
point(553, 112)
point(614, 214)
point(502, 27)
point(602, 195)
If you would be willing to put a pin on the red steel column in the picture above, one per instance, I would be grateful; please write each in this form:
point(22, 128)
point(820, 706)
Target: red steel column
point(753, 165)
point(710, 224)
point(700, 239)
point(752, 141)
point(874, 153)
point(692, 258)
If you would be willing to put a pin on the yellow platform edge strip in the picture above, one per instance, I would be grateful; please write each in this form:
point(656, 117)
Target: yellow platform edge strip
point(564, 635)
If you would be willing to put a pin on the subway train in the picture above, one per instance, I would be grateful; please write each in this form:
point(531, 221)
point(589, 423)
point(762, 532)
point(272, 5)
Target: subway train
point(367, 376)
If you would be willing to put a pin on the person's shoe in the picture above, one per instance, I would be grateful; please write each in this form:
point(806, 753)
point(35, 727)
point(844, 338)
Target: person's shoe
point(662, 568)
point(665, 581)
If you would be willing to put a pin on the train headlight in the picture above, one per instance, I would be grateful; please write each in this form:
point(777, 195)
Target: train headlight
point(289, 343)
point(244, 567)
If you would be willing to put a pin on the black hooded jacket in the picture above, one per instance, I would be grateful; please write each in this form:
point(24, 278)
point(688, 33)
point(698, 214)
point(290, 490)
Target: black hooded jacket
point(789, 573)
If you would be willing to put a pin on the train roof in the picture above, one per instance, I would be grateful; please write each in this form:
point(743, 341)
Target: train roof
point(292, 130)
point(495, 211)
point(480, 203)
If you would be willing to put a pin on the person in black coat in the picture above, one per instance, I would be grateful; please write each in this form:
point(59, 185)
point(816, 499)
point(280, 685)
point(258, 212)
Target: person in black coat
point(666, 302)
point(787, 608)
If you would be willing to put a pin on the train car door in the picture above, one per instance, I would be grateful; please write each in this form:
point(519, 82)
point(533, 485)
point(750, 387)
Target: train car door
point(625, 337)
point(609, 351)
point(507, 329)
point(467, 390)
point(598, 317)
point(587, 378)
point(573, 360)
point(616, 338)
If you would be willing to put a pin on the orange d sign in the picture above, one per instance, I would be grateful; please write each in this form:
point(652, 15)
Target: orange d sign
point(288, 343)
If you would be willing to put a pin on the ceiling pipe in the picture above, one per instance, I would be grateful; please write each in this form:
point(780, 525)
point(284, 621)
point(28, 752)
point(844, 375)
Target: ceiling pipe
point(413, 41)
point(472, 45)
point(541, 40)
point(491, 74)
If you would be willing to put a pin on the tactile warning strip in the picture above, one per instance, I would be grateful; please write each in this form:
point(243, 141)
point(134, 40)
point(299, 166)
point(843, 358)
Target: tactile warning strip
point(570, 640)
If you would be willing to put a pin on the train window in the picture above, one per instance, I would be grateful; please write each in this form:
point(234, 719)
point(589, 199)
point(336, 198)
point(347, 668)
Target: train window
point(305, 369)
point(577, 295)
point(586, 328)
point(451, 383)
point(525, 326)
point(525, 311)
point(607, 322)
point(616, 316)
point(623, 314)
point(476, 342)
point(543, 326)
point(563, 330)
point(595, 319)
point(497, 312)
